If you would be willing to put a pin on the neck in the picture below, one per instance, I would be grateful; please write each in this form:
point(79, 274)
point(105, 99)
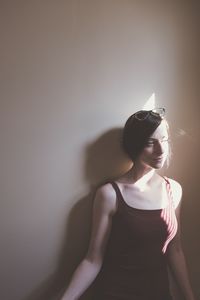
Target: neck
point(140, 173)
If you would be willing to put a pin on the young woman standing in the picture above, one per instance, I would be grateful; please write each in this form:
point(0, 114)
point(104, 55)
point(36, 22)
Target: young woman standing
point(136, 224)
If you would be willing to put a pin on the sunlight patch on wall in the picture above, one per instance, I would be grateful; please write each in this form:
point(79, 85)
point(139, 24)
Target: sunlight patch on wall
point(150, 104)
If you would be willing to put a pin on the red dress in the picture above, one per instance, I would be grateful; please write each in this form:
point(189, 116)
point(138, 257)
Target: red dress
point(135, 266)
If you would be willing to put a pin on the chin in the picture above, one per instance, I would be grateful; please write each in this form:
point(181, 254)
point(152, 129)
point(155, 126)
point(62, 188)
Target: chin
point(158, 165)
point(154, 164)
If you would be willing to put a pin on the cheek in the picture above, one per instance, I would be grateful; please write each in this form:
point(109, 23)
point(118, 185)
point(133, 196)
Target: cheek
point(147, 151)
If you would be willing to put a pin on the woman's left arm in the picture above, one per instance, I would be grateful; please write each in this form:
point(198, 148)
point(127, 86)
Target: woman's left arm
point(177, 263)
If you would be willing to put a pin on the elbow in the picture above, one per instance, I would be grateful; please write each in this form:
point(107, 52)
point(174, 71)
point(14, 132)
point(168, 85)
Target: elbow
point(95, 262)
point(95, 258)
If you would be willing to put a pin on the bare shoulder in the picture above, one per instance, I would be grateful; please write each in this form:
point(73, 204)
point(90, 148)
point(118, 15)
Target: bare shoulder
point(176, 191)
point(105, 199)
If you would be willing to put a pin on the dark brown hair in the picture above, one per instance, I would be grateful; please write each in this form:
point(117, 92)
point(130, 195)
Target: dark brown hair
point(137, 130)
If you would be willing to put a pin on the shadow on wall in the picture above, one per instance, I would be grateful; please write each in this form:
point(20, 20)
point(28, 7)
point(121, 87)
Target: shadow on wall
point(104, 161)
point(105, 158)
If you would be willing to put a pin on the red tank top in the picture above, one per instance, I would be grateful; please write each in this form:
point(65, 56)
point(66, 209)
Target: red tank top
point(135, 266)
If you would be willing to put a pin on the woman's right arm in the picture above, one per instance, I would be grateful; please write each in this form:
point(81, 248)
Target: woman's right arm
point(104, 207)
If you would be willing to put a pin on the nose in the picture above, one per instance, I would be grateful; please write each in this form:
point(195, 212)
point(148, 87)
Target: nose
point(159, 149)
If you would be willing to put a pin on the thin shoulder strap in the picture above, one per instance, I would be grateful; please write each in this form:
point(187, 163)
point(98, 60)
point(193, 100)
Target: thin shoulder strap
point(118, 192)
point(169, 190)
point(116, 188)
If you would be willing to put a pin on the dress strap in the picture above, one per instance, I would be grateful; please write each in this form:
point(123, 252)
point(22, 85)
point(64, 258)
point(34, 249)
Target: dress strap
point(118, 192)
point(169, 215)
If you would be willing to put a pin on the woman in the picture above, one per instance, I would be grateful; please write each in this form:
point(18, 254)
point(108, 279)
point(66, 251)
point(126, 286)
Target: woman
point(136, 227)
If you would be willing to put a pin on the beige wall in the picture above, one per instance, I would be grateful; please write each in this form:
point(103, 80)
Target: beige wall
point(71, 73)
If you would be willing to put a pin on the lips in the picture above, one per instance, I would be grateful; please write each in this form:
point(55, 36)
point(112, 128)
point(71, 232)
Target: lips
point(158, 159)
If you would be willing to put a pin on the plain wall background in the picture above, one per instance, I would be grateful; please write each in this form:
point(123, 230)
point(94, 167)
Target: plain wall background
point(71, 74)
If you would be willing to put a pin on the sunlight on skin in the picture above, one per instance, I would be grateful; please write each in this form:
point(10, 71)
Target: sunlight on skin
point(141, 184)
point(150, 104)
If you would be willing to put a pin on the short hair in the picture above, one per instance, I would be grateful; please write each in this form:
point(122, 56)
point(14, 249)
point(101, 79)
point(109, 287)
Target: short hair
point(137, 131)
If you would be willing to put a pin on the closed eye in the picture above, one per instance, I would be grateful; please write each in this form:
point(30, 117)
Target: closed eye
point(154, 141)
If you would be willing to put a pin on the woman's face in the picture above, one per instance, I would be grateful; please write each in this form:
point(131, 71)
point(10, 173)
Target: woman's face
point(156, 149)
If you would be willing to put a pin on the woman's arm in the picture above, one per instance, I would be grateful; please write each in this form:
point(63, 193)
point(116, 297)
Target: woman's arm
point(88, 269)
point(177, 263)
